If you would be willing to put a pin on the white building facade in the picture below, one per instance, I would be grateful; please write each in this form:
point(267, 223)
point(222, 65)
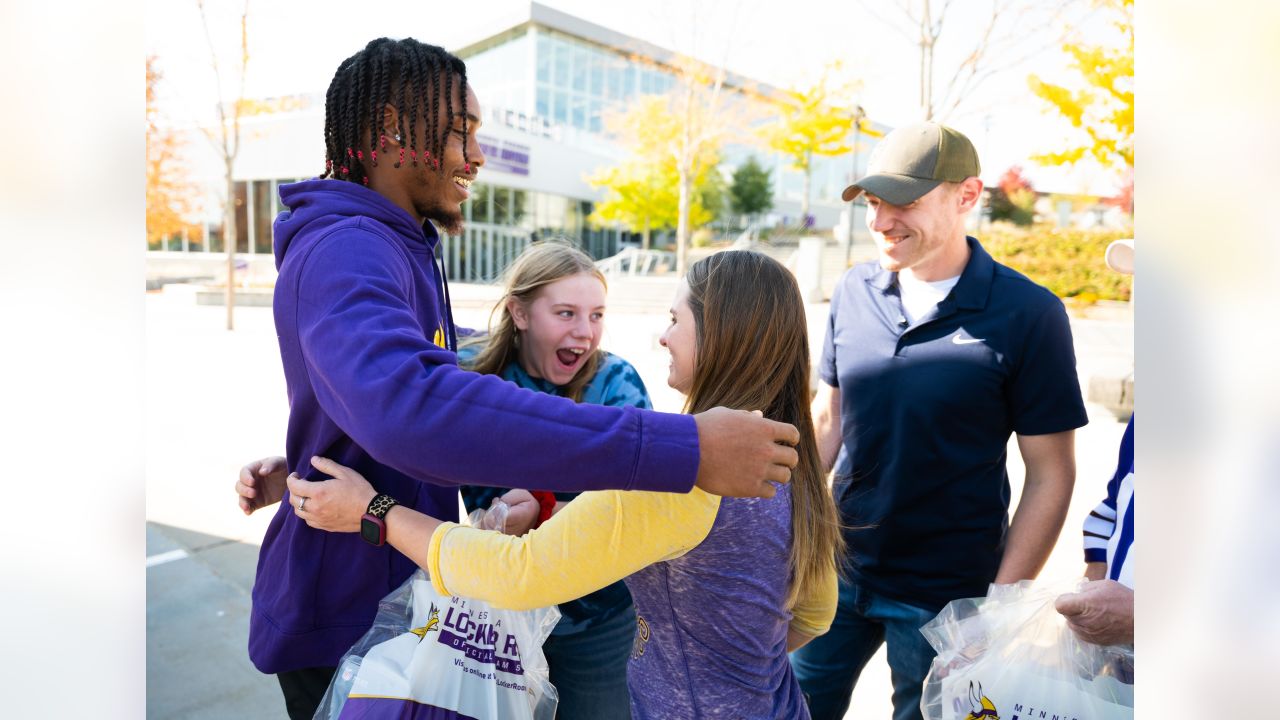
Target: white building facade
point(545, 80)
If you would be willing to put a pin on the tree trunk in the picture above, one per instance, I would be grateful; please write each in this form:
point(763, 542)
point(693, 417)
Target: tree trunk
point(804, 200)
point(926, 63)
point(928, 108)
point(230, 241)
point(924, 104)
point(644, 244)
point(682, 227)
point(685, 163)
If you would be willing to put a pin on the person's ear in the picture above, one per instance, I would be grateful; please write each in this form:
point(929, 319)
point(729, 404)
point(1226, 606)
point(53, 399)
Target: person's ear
point(390, 123)
point(969, 194)
point(519, 314)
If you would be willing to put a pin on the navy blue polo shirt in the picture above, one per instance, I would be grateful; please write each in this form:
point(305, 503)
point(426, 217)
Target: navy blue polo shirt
point(926, 415)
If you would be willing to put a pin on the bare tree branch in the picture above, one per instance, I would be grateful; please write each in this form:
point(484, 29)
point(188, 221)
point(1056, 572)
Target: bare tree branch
point(228, 142)
point(1010, 23)
point(969, 67)
point(936, 30)
point(244, 65)
point(907, 35)
point(221, 142)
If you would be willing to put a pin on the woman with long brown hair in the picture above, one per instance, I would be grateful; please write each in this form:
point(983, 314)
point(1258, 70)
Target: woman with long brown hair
point(723, 588)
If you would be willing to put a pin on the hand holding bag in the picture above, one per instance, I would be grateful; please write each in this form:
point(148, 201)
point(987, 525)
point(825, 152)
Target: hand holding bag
point(1011, 656)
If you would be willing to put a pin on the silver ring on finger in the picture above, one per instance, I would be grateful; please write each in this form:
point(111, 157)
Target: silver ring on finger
point(301, 501)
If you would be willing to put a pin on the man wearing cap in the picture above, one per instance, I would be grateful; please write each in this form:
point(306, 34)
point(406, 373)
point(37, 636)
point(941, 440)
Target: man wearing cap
point(933, 357)
point(1101, 611)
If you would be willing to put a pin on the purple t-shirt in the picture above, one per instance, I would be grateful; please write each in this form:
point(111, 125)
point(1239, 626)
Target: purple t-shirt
point(711, 636)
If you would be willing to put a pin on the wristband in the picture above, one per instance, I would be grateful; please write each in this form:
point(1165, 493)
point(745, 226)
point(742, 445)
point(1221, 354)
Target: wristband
point(373, 527)
point(546, 504)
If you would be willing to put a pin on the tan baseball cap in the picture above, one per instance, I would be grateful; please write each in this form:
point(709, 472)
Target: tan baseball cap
point(913, 160)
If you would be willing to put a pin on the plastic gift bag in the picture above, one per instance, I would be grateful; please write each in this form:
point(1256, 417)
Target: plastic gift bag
point(1011, 656)
point(438, 657)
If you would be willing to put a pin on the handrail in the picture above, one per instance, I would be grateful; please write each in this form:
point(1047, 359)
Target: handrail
point(633, 261)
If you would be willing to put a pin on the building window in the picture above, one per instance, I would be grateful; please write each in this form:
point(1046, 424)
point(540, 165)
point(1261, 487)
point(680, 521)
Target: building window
point(195, 238)
point(560, 107)
point(629, 81)
point(519, 209)
point(579, 117)
point(501, 206)
point(581, 61)
point(242, 216)
point(479, 204)
point(544, 59)
point(543, 106)
point(560, 64)
point(597, 74)
point(215, 237)
point(263, 216)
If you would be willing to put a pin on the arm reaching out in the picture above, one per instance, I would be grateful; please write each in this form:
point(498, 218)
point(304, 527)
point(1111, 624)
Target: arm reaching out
point(598, 539)
point(742, 454)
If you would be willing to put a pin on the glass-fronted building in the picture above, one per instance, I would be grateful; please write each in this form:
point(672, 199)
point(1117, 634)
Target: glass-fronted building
point(546, 81)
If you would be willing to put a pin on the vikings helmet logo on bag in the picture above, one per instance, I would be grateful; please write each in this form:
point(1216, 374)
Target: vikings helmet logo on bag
point(980, 707)
point(433, 623)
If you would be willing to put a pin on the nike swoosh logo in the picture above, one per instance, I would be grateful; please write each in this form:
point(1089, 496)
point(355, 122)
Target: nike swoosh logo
point(964, 340)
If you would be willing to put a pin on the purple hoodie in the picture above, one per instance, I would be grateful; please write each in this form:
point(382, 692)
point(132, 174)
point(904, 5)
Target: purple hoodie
point(358, 303)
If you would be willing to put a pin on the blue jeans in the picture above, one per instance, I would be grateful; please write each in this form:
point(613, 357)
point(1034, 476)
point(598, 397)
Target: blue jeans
point(589, 669)
point(828, 667)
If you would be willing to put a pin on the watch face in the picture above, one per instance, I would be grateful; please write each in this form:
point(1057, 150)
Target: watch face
point(371, 530)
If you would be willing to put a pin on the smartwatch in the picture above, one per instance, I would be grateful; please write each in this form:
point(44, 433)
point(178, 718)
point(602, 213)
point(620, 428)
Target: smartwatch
point(373, 527)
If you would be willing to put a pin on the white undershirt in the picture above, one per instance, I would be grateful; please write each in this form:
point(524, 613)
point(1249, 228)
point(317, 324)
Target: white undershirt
point(919, 297)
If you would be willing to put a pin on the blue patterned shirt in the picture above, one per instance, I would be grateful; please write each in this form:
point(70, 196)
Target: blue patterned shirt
point(616, 383)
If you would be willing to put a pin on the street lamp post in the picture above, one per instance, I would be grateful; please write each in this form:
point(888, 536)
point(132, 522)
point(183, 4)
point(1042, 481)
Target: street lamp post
point(858, 115)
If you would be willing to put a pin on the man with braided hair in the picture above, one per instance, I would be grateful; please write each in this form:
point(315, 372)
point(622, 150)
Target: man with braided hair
point(368, 345)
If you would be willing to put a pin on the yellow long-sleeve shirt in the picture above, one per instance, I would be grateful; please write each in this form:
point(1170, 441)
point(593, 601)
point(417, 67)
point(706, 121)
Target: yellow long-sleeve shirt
point(595, 540)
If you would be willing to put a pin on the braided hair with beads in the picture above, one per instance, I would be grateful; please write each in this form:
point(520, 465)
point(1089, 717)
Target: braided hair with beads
point(405, 74)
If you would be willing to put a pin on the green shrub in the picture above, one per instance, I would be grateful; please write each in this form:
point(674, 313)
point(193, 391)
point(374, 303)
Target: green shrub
point(1067, 261)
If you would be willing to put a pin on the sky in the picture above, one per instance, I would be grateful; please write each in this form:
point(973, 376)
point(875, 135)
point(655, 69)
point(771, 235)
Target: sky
point(295, 46)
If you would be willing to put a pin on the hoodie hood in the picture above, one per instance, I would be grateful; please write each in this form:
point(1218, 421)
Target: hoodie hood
point(313, 206)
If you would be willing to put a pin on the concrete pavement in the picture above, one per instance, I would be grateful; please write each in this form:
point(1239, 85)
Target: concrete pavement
point(216, 400)
point(198, 627)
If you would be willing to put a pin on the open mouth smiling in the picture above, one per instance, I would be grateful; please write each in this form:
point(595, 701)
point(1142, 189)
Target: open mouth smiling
point(570, 356)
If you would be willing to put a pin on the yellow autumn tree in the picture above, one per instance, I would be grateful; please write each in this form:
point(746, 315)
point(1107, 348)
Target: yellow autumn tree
point(664, 181)
point(639, 196)
point(813, 120)
point(1100, 101)
point(683, 129)
point(170, 194)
